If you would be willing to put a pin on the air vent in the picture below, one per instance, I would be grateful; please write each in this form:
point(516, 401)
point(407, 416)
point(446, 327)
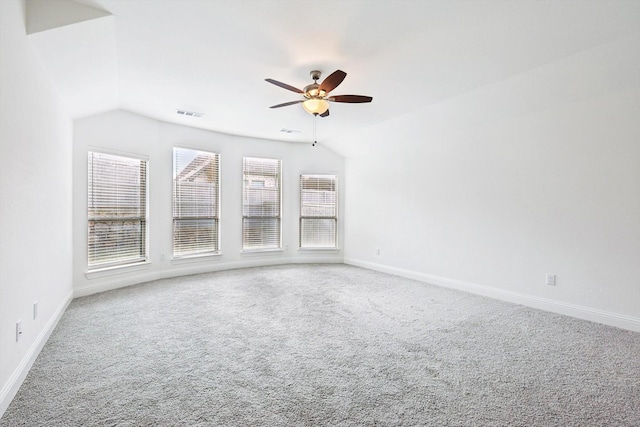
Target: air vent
point(283, 130)
point(188, 113)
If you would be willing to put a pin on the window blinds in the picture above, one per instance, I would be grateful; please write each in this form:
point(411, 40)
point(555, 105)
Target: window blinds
point(196, 192)
point(117, 214)
point(261, 200)
point(318, 211)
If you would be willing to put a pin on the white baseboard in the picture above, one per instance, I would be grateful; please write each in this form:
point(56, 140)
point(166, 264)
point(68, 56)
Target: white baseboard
point(125, 279)
point(12, 386)
point(573, 310)
point(16, 379)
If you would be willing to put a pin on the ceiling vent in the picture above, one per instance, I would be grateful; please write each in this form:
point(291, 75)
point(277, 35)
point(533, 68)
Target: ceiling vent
point(188, 113)
point(283, 130)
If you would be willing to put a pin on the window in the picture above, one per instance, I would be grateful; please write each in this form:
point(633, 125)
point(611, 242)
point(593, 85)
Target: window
point(195, 202)
point(117, 214)
point(318, 211)
point(261, 199)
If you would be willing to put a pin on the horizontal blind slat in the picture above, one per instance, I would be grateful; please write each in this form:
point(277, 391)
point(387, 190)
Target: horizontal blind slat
point(196, 208)
point(261, 204)
point(318, 211)
point(116, 210)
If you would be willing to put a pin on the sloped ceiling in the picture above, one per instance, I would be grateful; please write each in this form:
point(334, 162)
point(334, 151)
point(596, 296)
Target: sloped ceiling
point(212, 56)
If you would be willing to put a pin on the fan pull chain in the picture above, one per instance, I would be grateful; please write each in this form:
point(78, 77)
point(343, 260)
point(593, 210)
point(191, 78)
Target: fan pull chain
point(315, 141)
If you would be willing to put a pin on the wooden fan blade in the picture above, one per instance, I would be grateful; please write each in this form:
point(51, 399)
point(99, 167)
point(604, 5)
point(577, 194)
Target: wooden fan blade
point(325, 114)
point(332, 81)
point(284, 86)
point(354, 99)
point(287, 103)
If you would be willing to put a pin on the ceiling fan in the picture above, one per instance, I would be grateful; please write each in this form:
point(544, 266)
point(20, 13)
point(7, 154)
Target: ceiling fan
point(316, 96)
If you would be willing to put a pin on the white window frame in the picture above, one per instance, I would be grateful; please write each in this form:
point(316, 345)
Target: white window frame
point(182, 214)
point(112, 260)
point(322, 213)
point(247, 245)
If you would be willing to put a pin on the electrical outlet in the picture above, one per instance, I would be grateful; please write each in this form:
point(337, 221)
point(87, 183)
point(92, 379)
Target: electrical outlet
point(551, 279)
point(18, 330)
point(377, 251)
point(35, 310)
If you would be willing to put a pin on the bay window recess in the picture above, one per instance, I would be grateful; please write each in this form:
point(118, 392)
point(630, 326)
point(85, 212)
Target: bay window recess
point(318, 211)
point(261, 204)
point(196, 195)
point(117, 210)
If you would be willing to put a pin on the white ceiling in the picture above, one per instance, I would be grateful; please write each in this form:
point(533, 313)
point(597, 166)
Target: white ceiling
point(212, 56)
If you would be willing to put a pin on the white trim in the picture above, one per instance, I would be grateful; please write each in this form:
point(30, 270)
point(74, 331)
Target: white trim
point(281, 185)
point(117, 269)
point(251, 252)
point(319, 250)
point(197, 268)
point(322, 260)
point(147, 223)
point(336, 217)
point(16, 379)
point(194, 147)
point(586, 313)
point(219, 193)
point(121, 153)
point(190, 259)
point(116, 282)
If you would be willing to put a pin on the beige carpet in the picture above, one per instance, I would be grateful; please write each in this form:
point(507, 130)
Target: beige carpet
point(324, 345)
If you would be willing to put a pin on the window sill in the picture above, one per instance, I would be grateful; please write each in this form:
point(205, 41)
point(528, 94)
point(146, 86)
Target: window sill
point(117, 269)
point(326, 250)
point(252, 252)
point(189, 259)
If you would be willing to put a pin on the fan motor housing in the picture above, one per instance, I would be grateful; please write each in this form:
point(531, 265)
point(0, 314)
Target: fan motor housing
point(311, 91)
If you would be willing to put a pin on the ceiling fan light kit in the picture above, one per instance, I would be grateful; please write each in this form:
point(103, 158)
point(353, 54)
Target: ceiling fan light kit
point(315, 106)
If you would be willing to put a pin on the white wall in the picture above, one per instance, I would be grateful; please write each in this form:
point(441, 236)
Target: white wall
point(130, 133)
point(492, 190)
point(35, 202)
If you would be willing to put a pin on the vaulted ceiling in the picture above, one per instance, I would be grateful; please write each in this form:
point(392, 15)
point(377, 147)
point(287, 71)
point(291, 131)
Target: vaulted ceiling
point(212, 56)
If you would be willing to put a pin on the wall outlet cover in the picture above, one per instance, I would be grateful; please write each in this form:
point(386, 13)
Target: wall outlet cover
point(551, 279)
point(18, 330)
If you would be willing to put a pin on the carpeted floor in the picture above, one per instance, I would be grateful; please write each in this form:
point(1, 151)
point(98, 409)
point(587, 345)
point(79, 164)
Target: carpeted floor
point(324, 345)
